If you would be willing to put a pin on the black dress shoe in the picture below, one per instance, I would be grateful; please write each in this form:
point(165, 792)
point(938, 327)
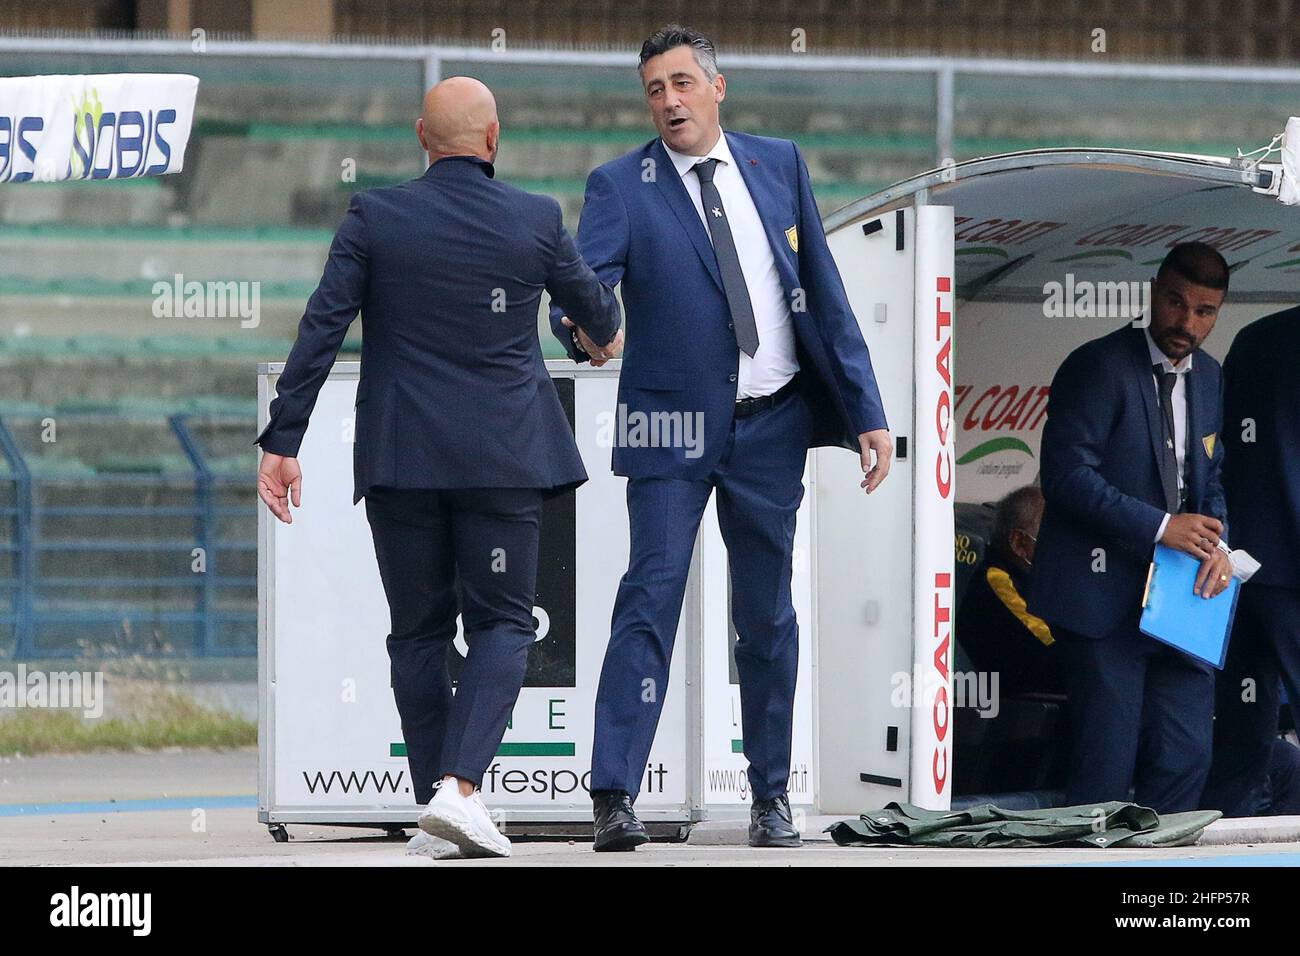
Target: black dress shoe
point(770, 823)
point(617, 827)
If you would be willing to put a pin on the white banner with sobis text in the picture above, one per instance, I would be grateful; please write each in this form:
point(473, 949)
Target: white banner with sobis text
point(108, 126)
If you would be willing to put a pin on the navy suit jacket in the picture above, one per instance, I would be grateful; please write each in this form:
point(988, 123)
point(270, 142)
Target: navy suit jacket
point(1262, 477)
point(448, 271)
point(1101, 479)
point(639, 227)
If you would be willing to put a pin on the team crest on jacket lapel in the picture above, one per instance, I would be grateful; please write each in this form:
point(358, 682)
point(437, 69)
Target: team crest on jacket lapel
point(792, 237)
point(1208, 442)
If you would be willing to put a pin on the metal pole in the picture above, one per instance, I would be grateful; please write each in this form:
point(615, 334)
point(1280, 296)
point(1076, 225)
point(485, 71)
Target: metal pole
point(24, 620)
point(1071, 69)
point(943, 121)
point(432, 74)
point(205, 528)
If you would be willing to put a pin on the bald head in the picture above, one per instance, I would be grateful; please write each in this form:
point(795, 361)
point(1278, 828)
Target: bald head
point(459, 119)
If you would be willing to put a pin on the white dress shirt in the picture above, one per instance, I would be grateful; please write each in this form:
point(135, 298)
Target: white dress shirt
point(774, 363)
point(1179, 402)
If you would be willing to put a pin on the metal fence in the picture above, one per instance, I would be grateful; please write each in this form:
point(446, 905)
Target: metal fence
point(148, 554)
point(1122, 85)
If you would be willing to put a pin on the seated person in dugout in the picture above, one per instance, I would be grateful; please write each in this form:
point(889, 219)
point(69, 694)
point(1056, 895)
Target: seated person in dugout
point(1000, 635)
point(993, 625)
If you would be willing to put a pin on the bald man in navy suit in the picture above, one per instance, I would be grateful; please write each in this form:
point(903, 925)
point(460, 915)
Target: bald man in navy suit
point(460, 434)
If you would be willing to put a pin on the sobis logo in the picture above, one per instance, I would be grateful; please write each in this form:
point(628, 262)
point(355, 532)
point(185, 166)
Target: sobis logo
point(105, 144)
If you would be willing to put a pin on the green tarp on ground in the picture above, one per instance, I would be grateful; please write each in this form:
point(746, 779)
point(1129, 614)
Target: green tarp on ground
point(1095, 825)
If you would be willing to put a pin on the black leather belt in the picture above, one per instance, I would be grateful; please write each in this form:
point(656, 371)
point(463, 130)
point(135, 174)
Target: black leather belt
point(752, 406)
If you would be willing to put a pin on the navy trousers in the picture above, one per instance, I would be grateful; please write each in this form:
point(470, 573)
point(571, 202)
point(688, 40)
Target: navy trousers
point(1141, 717)
point(759, 482)
point(437, 550)
point(1263, 656)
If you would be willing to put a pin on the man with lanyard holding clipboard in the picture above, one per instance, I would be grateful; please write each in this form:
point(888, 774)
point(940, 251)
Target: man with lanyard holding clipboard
point(1130, 457)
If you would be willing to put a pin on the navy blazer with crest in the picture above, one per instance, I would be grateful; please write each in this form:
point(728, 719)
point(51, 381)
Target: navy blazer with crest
point(640, 228)
point(1101, 464)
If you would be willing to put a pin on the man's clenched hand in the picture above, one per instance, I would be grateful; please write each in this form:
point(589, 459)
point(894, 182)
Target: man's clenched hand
point(599, 355)
point(277, 476)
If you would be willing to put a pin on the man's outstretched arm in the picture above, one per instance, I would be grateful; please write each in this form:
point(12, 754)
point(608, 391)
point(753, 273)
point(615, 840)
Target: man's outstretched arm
point(588, 306)
point(603, 238)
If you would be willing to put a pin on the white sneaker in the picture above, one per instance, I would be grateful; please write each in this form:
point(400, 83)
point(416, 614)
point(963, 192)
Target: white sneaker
point(464, 821)
point(435, 849)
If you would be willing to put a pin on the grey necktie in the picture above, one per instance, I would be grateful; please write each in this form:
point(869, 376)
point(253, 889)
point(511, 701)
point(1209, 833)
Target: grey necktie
point(1169, 472)
point(724, 247)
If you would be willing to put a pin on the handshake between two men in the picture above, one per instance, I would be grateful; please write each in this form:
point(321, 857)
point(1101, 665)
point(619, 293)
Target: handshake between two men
point(742, 325)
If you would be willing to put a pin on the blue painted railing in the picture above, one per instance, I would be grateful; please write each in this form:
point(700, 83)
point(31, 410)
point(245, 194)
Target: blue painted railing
point(209, 611)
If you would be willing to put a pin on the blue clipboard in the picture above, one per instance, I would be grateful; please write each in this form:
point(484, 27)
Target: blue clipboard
point(1173, 613)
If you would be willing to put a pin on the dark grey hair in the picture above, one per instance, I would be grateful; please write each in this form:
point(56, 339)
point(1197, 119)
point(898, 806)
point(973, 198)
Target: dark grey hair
point(674, 35)
point(1016, 512)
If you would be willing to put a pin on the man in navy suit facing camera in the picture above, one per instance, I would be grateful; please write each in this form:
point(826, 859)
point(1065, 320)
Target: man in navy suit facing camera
point(738, 323)
point(1131, 457)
